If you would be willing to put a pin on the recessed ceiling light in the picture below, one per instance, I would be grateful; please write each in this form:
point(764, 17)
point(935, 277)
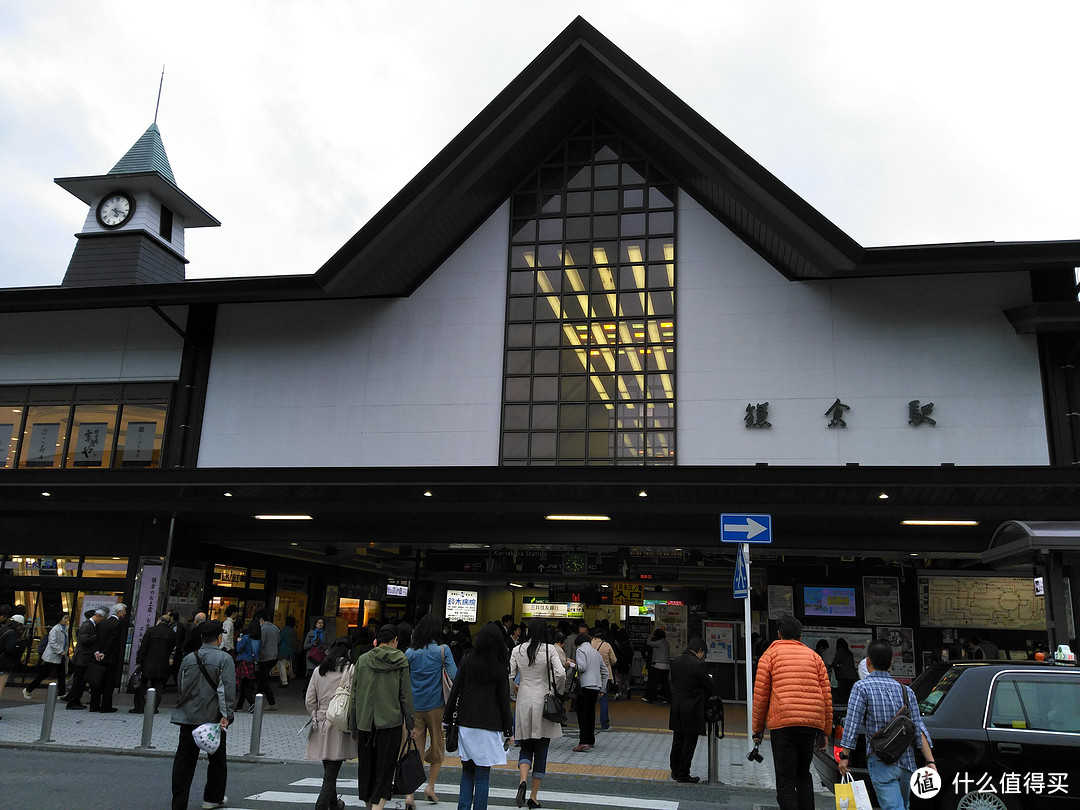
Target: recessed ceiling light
point(294, 543)
point(913, 554)
point(939, 522)
point(427, 493)
point(643, 494)
point(228, 494)
point(884, 496)
point(282, 517)
point(46, 494)
point(576, 517)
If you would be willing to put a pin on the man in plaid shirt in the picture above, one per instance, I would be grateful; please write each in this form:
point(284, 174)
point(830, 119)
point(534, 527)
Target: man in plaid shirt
point(873, 703)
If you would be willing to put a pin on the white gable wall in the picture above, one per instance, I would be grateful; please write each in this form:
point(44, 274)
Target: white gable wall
point(402, 382)
point(745, 334)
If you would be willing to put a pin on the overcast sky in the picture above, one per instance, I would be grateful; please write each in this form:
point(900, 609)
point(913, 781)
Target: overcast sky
point(294, 123)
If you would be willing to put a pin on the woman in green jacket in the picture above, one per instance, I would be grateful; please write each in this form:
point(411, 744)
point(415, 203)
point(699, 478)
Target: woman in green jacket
point(383, 707)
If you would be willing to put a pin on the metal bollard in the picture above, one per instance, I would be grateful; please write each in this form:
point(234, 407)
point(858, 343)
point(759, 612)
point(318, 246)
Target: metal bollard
point(256, 726)
point(148, 719)
point(47, 718)
point(714, 753)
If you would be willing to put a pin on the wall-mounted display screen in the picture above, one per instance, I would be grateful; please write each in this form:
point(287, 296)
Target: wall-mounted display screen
point(839, 602)
point(461, 605)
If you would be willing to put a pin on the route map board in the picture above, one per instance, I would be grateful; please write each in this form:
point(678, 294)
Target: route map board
point(990, 602)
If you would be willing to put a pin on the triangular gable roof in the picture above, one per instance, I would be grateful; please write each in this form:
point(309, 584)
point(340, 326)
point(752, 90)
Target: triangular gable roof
point(146, 155)
point(582, 73)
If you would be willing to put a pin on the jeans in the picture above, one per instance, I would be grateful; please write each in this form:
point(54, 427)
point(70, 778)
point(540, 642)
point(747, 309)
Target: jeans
point(534, 752)
point(892, 784)
point(328, 795)
point(183, 771)
point(475, 781)
point(793, 752)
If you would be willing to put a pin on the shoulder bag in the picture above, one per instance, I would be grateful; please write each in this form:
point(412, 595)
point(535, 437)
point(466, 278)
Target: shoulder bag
point(554, 708)
point(340, 709)
point(452, 724)
point(409, 773)
point(447, 681)
point(896, 737)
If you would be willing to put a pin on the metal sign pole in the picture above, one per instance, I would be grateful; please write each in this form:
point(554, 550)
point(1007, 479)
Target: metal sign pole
point(749, 649)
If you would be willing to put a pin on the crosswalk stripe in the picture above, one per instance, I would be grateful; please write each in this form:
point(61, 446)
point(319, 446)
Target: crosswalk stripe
point(494, 793)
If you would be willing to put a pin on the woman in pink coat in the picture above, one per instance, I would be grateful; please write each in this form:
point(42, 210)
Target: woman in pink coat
point(325, 742)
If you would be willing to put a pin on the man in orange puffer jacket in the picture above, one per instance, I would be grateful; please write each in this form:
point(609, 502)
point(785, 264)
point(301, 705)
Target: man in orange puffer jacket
point(793, 698)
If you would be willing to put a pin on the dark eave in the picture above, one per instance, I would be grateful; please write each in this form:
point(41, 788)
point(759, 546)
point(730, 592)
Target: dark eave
point(219, 291)
point(1054, 316)
point(836, 508)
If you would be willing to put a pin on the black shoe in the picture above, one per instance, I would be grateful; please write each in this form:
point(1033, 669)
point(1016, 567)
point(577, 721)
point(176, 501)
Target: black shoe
point(532, 803)
point(520, 800)
point(75, 705)
point(687, 778)
point(109, 710)
point(135, 711)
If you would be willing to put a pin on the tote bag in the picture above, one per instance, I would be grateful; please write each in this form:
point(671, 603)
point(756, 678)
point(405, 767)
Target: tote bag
point(409, 774)
point(340, 708)
point(851, 794)
point(554, 708)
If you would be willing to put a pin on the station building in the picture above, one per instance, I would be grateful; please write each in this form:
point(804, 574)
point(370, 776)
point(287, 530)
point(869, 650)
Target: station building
point(534, 382)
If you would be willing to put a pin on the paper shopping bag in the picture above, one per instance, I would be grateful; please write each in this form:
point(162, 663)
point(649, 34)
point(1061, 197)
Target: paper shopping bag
point(851, 794)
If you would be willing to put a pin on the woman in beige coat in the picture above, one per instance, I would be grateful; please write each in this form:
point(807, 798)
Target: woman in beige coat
point(325, 742)
point(531, 661)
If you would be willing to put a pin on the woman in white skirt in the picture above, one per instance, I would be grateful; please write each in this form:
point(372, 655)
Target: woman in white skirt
point(481, 700)
point(541, 670)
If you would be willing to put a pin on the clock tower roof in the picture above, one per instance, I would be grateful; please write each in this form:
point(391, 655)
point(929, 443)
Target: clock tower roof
point(146, 155)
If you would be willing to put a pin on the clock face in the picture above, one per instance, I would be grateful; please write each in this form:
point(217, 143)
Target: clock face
point(115, 210)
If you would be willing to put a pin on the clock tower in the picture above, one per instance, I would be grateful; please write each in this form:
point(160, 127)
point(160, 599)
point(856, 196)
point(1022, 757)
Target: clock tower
point(134, 230)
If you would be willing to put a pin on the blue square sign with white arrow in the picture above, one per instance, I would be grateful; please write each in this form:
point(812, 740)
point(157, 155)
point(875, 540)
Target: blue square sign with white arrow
point(746, 528)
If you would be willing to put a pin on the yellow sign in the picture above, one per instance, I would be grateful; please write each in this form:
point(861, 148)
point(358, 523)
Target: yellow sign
point(626, 593)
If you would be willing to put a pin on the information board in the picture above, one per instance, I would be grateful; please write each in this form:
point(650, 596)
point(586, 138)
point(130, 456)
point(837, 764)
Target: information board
point(461, 605)
point(1003, 603)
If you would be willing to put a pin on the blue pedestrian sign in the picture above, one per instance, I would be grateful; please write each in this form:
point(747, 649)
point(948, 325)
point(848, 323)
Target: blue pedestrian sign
point(746, 528)
point(741, 584)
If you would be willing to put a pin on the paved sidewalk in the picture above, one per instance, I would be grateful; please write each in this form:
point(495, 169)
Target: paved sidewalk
point(637, 748)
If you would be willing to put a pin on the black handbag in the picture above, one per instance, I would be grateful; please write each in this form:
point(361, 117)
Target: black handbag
point(554, 708)
point(409, 774)
point(136, 681)
point(452, 726)
point(892, 740)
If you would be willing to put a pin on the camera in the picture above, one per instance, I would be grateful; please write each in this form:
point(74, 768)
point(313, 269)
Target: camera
point(755, 756)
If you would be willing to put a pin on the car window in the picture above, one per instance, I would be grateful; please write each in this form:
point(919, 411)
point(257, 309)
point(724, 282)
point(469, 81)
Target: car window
point(1036, 704)
point(929, 704)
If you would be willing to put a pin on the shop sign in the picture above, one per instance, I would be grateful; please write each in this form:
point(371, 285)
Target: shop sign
point(226, 576)
point(288, 582)
point(360, 590)
point(552, 610)
point(627, 593)
point(397, 588)
point(330, 604)
point(461, 605)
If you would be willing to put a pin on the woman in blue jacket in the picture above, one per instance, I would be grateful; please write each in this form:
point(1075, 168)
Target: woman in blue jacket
point(247, 654)
point(428, 659)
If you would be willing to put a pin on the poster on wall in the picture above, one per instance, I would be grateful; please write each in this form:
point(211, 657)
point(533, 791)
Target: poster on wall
point(330, 603)
point(93, 601)
point(186, 590)
point(672, 618)
point(461, 605)
point(90, 444)
point(858, 639)
point(147, 610)
point(139, 444)
point(41, 448)
point(781, 600)
point(719, 641)
point(881, 600)
point(902, 641)
point(639, 628)
point(6, 432)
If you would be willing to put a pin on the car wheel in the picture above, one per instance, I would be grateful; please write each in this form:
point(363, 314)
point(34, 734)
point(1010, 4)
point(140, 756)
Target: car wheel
point(982, 801)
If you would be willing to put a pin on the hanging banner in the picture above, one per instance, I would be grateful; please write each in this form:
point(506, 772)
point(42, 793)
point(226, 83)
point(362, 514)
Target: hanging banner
point(781, 601)
point(90, 440)
point(720, 641)
point(902, 641)
point(42, 444)
point(147, 610)
point(881, 600)
point(6, 432)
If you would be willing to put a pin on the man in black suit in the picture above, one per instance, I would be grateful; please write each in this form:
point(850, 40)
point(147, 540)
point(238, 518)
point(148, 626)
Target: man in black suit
point(112, 637)
point(86, 646)
point(690, 687)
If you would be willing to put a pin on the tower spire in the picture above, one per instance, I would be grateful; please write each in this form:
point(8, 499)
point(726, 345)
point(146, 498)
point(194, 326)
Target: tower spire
point(160, 85)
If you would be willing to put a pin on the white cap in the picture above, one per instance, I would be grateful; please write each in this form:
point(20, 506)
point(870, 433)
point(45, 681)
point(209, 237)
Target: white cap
point(18, 617)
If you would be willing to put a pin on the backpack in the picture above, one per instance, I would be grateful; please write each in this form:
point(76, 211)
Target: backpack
point(896, 736)
point(43, 645)
point(340, 709)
